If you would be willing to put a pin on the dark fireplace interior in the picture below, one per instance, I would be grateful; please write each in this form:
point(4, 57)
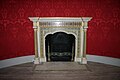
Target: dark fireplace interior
point(60, 47)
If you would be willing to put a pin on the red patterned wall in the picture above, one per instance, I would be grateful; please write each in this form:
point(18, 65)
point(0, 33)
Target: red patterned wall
point(16, 33)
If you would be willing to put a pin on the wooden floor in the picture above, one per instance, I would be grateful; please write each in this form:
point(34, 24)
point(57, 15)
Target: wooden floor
point(95, 71)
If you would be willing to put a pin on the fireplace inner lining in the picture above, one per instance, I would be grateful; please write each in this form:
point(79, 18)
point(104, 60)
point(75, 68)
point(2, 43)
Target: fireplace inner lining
point(60, 46)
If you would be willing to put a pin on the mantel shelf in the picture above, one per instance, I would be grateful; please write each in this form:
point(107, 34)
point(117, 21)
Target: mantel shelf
point(60, 19)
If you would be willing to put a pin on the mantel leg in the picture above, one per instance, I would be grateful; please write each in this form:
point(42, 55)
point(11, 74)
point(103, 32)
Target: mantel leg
point(84, 59)
point(36, 60)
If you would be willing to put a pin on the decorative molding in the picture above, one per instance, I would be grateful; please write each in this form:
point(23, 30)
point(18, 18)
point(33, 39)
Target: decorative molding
point(60, 19)
point(26, 59)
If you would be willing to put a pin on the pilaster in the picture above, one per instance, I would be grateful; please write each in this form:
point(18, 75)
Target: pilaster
point(36, 59)
point(84, 59)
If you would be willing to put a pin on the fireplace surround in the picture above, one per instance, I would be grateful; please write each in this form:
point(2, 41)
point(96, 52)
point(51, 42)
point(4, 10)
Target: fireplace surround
point(44, 26)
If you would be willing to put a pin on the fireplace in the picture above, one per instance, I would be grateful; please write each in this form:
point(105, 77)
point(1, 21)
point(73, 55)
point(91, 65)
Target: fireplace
point(60, 39)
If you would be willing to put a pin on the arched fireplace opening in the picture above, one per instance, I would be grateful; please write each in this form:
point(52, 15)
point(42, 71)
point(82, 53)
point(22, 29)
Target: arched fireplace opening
point(60, 47)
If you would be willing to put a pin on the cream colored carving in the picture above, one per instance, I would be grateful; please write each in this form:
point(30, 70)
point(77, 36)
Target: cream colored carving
point(75, 26)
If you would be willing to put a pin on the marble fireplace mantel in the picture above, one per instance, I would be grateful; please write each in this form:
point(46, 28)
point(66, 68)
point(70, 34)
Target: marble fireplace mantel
point(76, 26)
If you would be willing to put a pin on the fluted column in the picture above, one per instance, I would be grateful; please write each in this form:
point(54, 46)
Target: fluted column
point(84, 47)
point(84, 59)
point(36, 59)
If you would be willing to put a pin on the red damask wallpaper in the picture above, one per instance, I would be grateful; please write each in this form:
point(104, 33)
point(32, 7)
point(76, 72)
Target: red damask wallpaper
point(16, 33)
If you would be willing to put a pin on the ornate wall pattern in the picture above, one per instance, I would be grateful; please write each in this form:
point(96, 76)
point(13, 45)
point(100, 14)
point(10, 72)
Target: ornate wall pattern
point(16, 33)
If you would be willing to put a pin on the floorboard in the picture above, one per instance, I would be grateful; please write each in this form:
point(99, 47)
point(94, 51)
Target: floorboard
point(95, 71)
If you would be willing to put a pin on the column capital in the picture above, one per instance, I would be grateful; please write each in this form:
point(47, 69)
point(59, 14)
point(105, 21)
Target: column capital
point(35, 25)
point(85, 25)
point(85, 29)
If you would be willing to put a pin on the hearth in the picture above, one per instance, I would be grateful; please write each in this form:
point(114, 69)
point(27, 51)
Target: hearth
point(60, 39)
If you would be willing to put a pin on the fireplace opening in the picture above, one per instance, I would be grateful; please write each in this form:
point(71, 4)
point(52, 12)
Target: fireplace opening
point(60, 47)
